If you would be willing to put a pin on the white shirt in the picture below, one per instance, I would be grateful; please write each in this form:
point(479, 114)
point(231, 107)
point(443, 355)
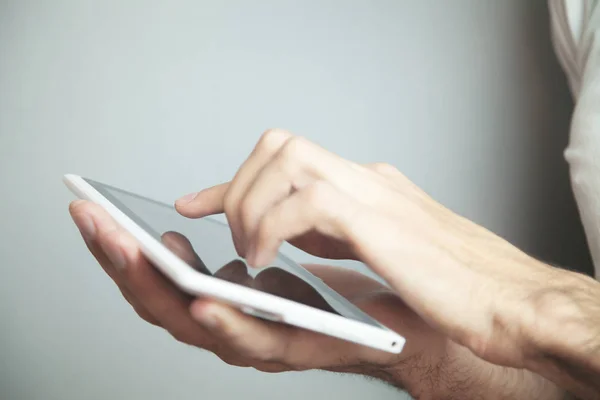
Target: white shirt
point(576, 36)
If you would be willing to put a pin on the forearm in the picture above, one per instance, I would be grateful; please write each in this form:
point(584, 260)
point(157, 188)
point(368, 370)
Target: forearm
point(461, 375)
point(562, 332)
point(537, 317)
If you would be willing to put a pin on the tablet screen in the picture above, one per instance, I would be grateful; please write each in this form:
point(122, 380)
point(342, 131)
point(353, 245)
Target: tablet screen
point(206, 245)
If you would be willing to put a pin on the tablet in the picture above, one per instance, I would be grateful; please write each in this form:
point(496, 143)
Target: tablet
point(198, 255)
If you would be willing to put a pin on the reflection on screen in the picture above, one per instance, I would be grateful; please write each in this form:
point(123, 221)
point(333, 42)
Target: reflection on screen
point(206, 245)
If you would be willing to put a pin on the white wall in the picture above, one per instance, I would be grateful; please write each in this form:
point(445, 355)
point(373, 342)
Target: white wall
point(168, 97)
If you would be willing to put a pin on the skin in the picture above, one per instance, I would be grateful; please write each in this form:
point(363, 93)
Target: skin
point(481, 318)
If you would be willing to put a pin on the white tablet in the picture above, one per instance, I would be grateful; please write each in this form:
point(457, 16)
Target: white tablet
point(283, 292)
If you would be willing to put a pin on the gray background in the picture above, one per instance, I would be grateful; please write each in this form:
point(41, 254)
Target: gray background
point(163, 98)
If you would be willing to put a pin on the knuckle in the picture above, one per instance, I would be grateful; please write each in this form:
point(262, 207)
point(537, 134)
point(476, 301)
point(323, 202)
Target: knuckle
point(294, 149)
point(271, 353)
point(384, 168)
point(180, 336)
point(272, 139)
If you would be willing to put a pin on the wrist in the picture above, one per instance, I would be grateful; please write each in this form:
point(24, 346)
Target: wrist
point(453, 371)
point(460, 374)
point(556, 317)
point(463, 375)
point(417, 370)
point(561, 331)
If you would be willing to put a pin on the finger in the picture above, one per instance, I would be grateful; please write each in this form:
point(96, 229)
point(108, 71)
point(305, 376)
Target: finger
point(314, 243)
point(319, 207)
point(138, 308)
point(236, 272)
point(110, 271)
point(182, 247)
point(229, 356)
point(210, 201)
point(80, 211)
point(268, 145)
point(284, 284)
point(297, 164)
point(167, 304)
point(279, 177)
point(226, 197)
point(345, 281)
point(206, 202)
point(245, 335)
point(272, 367)
point(263, 342)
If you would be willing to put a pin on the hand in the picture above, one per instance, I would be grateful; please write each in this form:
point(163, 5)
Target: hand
point(290, 189)
point(461, 279)
point(244, 341)
point(430, 364)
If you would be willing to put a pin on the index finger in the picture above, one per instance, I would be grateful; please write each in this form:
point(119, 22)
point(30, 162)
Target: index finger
point(210, 201)
point(206, 202)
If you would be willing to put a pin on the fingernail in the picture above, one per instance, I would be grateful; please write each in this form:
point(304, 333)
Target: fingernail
point(186, 199)
point(86, 227)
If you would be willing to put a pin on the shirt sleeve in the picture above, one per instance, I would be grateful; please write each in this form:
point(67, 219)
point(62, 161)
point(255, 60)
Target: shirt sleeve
point(575, 26)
